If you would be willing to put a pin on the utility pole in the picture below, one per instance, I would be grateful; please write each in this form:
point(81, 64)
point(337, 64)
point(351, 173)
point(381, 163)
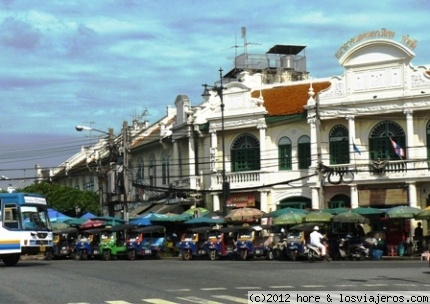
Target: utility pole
point(125, 168)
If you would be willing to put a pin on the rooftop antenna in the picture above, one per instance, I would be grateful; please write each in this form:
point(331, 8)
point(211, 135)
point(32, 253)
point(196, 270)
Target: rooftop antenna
point(245, 45)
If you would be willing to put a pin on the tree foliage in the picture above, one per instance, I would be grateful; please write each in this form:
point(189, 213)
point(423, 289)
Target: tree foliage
point(66, 199)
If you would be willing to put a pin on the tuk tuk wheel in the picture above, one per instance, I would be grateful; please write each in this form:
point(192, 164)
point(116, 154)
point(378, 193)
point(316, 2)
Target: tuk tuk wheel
point(186, 255)
point(132, 255)
point(106, 255)
point(77, 256)
point(269, 255)
point(212, 255)
point(243, 255)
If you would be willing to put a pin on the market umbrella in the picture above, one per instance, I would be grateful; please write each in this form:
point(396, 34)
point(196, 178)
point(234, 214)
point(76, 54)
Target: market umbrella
point(205, 220)
point(279, 212)
point(75, 221)
point(423, 215)
point(143, 220)
point(56, 216)
point(336, 210)
point(290, 218)
point(402, 212)
point(350, 217)
point(170, 217)
point(307, 226)
point(318, 216)
point(87, 215)
point(244, 214)
point(192, 211)
point(59, 225)
point(367, 211)
point(90, 223)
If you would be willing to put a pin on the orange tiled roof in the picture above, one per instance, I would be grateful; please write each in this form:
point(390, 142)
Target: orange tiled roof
point(291, 99)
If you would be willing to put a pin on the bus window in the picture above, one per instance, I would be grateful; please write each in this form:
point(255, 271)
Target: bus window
point(10, 216)
point(33, 219)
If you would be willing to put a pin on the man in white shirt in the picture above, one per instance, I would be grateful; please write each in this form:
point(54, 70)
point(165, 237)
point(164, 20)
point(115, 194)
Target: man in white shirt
point(315, 238)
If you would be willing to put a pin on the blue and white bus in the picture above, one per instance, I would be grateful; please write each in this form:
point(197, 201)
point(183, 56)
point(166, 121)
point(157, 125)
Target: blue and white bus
point(24, 226)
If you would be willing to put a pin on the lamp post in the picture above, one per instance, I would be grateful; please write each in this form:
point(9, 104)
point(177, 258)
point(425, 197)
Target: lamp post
point(225, 184)
point(99, 175)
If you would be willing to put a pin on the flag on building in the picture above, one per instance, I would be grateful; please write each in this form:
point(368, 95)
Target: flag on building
point(399, 150)
point(356, 150)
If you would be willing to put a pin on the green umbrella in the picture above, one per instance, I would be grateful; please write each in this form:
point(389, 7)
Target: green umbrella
point(402, 212)
point(279, 212)
point(367, 211)
point(318, 216)
point(336, 210)
point(200, 210)
point(350, 217)
point(76, 221)
point(59, 225)
point(289, 218)
point(423, 215)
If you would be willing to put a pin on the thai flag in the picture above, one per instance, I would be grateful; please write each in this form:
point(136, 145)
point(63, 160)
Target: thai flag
point(399, 150)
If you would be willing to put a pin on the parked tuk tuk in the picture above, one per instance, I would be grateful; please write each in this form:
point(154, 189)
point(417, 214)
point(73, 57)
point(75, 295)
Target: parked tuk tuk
point(255, 241)
point(193, 243)
point(146, 241)
point(221, 243)
point(87, 244)
point(296, 245)
point(64, 242)
point(113, 241)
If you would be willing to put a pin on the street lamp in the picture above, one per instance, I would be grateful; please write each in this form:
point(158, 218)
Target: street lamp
point(225, 184)
point(100, 177)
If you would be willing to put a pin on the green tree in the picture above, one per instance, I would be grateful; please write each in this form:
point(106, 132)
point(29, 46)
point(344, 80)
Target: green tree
point(66, 199)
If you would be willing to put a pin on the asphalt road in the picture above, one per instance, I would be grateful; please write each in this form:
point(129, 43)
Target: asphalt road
point(197, 281)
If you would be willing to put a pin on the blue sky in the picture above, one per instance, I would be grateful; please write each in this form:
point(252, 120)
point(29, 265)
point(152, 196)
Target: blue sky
point(98, 63)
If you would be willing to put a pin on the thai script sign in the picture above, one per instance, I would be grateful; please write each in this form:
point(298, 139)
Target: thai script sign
point(382, 33)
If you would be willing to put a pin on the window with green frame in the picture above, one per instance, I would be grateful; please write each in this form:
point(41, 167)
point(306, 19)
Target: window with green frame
point(245, 153)
point(380, 146)
point(284, 153)
point(304, 152)
point(339, 145)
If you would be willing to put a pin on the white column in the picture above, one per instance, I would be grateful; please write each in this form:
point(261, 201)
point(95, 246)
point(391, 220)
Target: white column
point(315, 198)
point(410, 152)
point(351, 129)
point(354, 196)
point(261, 126)
point(315, 150)
point(216, 202)
point(263, 201)
point(191, 157)
point(412, 194)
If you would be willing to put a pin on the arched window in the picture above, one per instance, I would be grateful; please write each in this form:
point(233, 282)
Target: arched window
point(339, 145)
point(245, 153)
point(428, 139)
point(381, 141)
point(165, 169)
point(304, 152)
point(284, 153)
point(140, 174)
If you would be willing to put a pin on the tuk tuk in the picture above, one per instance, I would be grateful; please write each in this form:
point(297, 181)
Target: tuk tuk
point(113, 241)
point(193, 243)
point(221, 243)
point(296, 245)
point(64, 242)
point(146, 241)
point(87, 244)
point(255, 241)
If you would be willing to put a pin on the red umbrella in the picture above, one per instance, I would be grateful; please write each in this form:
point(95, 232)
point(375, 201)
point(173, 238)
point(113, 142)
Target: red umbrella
point(90, 223)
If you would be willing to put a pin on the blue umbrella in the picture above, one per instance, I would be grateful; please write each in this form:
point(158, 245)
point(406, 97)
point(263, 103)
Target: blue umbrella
point(87, 215)
point(142, 220)
point(56, 216)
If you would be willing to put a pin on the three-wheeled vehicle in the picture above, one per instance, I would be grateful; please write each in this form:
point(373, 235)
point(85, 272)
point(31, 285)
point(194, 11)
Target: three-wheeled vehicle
point(254, 241)
point(113, 241)
point(87, 244)
point(296, 245)
point(148, 241)
point(221, 243)
point(193, 243)
point(64, 242)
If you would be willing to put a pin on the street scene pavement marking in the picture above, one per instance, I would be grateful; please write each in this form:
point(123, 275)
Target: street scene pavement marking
point(281, 287)
point(158, 301)
point(198, 300)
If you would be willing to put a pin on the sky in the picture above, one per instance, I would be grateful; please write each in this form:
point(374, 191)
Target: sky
point(98, 63)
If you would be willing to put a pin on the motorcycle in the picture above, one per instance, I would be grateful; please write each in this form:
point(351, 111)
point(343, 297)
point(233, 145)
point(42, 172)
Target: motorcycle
point(356, 252)
point(314, 253)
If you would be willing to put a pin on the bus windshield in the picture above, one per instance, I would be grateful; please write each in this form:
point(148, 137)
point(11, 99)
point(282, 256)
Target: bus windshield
point(35, 218)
